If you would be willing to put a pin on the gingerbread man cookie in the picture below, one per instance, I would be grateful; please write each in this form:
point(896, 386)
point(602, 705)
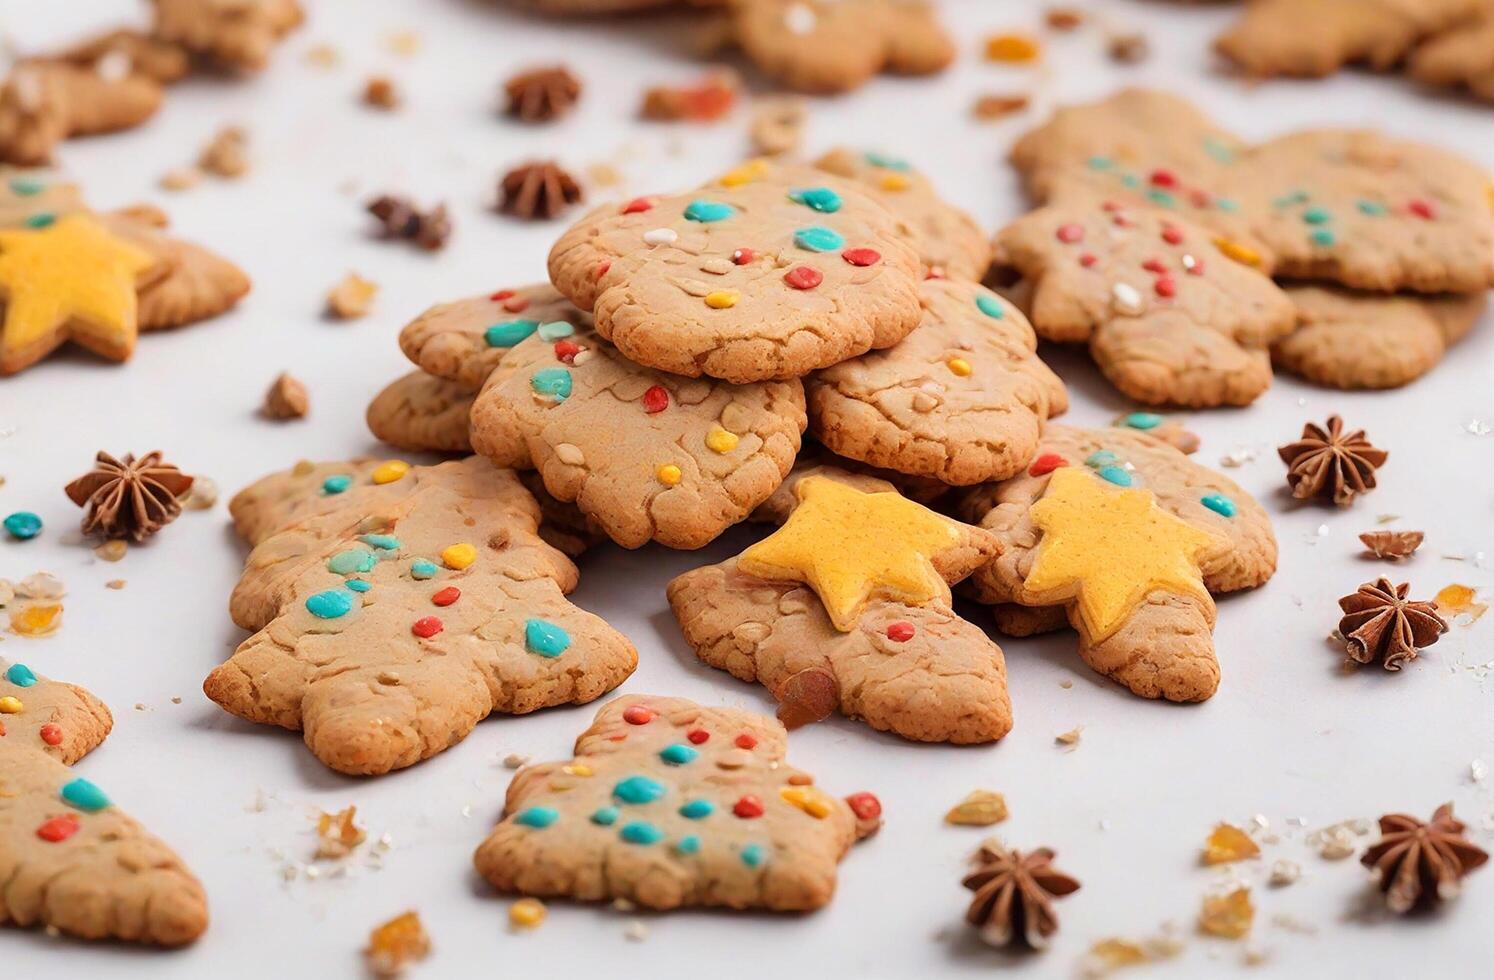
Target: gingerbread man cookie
point(1169, 317)
point(1346, 339)
point(669, 804)
point(767, 272)
point(1462, 56)
point(70, 859)
point(961, 399)
point(828, 46)
point(949, 242)
point(1130, 538)
point(388, 627)
point(847, 607)
point(423, 413)
point(233, 33)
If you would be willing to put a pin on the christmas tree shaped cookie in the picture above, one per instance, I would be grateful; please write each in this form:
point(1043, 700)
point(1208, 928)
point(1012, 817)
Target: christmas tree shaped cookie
point(961, 399)
point(847, 607)
point(1130, 538)
point(766, 272)
point(668, 804)
point(69, 858)
point(390, 624)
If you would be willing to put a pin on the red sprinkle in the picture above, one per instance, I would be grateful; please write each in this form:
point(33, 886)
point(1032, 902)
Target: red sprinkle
point(742, 256)
point(1422, 208)
point(427, 627)
point(900, 631)
point(746, 740)
point(638, 714)
point(1046, 463)
point(1070, 233)
point(1155, 265)
point(1197, 268)
point(1166, 287)
point(1164, 178)
point(1123, 221)
point(935, 272)
point(501, 294)
point(698, 735)
point(447, 596)
point(748, 807)
point(1088, 259)
point(1200, 199)
point(637, 205)
point(51, 733)
point(1172, 234)
point(566, 350)
point(1110, 206)
point(601, 270)
point(656, 399)
point(804, 277)
point(516, 304)
point(58, 829)
point(865, 805)
point(862, 256)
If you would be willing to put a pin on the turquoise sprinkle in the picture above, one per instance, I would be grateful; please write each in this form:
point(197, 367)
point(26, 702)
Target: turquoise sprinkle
point(697, 809)
point(26, 186)
point(20, 675)
point(1158, 196)
point(887, 162)
point(422, 569)
point(1227, 204)
point(821, 199)
point(1130, 180)
point(605, 817)
point(638, 790)
point(545, 639)
point(555, 329)
point(538, 817)
point(1287, 200)
point(357, 585)
point(509, 333)
point(1099, 163)
point(753, 855)
point(40, 220)
point(640, 832)
point(1372, 208)
point(336, 484)
point(351, 562)
point(1218, 150)
point(1142, 420)
point(990, 306)
point(1316, 216)
point(818, 238)
point(707, 211)
point(1101, 457)
point(1219, 504)
point(329, 604)
point(678, 755)
point(85, 796)
point(689, 844)
point(1322, 236)
point(384, 542)
point(23, 525)
point(1117, 475)
point(555, 382)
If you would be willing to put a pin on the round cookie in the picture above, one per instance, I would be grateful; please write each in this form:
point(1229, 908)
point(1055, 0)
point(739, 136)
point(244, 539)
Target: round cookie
point(1462, 56)
point(767, 272)
point(463, 341)
point(423, 413)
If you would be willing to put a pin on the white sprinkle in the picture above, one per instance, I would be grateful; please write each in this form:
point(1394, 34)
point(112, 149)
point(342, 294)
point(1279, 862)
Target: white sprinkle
point(800, 19)
point(1478, 770)
point(1127, 298)
point(660, 236)
point(1189, 262)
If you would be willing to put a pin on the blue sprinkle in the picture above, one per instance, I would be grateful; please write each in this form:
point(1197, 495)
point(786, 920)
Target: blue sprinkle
point(638, 790)
point(753, 855)
point(384, 542)
point(1117, 475)
point(509, 333)
point(1218, 150)
point(641, 832)
point(555, 329)
point(1130, 180)
point(697, 809)
point(555, 382)
point(1142, 420)
point(23, 525)
point(544, 638)
point(352, 561)
point(1227, 204)
point(818, 238)
point(707, 211)
point(329, 604)
point(1316, 216)
point(20, 675)
point(1219, 504)
point(538, 817)
point(689, 844)
point(1099, 163)
point(1101, 457)
point(336, 484)
point(40, 220)
point(358, 585)
point(990, 306)
point(1372, 208)
point(1322, 236)
point(85, 796)
point(678, 755)
point(821, 199)
point(887, 162)
point(26, 186)
point(1158, 196)
point(605, 817)
point(422, 569)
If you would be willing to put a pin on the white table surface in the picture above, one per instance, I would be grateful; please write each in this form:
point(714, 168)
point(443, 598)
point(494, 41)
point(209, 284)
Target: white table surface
point(1288, 736)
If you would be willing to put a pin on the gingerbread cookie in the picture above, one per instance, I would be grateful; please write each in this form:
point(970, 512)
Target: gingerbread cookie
point(1460, 57)
point(465, 340)
point(70, 859)
point(668, 804)
point(423, 413)
point(1313, 38)
point(1130, 538)
point(188, 283)
point(646, 454)
point(1169, 317)
point(1369, 340)
point(388, 627)
point(230, 33)
point(45, 101)
point(847, 607)
point(949, 242)
point(767, 272)
point(31, 197)
point(828, 46)
point(961, 399)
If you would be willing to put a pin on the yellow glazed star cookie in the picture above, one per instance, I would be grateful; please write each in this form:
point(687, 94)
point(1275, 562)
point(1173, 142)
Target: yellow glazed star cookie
point(68, 280)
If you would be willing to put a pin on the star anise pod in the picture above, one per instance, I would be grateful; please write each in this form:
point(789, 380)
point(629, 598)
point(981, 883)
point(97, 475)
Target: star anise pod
point(1392, 545)
point(1420, 864)
point(537, 190)
point(1380, 623)
point(400, 218)
point(541, 94)
point(1327, 463)
point(1013, 895)
point(129, 498)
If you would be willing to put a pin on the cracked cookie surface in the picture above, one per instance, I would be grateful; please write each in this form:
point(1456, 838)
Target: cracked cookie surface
point(423, 413)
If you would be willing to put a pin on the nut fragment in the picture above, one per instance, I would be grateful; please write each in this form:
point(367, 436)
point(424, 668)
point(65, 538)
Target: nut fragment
point(286, 399)
point(227, 154)
point(980, 809)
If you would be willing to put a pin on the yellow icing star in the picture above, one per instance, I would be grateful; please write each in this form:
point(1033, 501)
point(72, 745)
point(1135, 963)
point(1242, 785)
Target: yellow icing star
point(848, 546)
point(1107, 548)
point(69, 280)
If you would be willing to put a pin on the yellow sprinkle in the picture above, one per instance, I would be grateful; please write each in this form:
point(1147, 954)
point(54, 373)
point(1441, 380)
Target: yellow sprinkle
point(721, 299)
point(10, 706)
point(459, 556)
point(959, 366)
point(527, 913)
point(744, 174)
point(1243, 254)
point(721, 441)
point(807, 800)
point(390, 471)
point(577, 769)
point(895, 182)
point(669, 474)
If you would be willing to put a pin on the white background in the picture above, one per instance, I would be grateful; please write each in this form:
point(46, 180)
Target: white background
point(1289, 735)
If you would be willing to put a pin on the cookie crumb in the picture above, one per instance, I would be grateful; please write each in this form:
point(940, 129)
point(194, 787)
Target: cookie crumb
point(286, 399)
point(1227, 916)
point(636, 930)
point(180, 179)
point(991, 107)
point(406, 43)
point(1128, 49)
point(514, 760)
point(1284, 872)
point(1012, 49)
point(204, 494)
point(777, 124)
point(1064, 18)
point(706, 101)
point(338, 835)
point(1070, 737)
point(227, 153)
point(396, 944)
point(112, 550)
point(351, 298)
point(323, 56)
point(380, 92)
point(527, 913)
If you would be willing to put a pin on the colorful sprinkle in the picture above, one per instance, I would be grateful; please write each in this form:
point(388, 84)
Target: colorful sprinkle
point(538, 817)
point(58, 829)
point(1165, 286)
point(1161, 198)
point(329, 604)
point(336, 484)
point(555, 382)
point(655, 399)
point(804, 277)
point(427, 626)
point(40, 220)
point(719, 440)
point(818, 238)
point(1069, 233)
point(901, 631)
point(697, 809)
point(357, 585)
point(458, 556)
point(708, 211)
point(1219, 504)
point(10, 705)
point(566, 351)
point(678, 755)
point(352, 562)
point(638, 714)
point(1316, 216)
point(660, 236)
point(1118, 475)
point(748, 807)
point(641, 832)
point(545, 638)
point(753, 855)
point(1422, 209)
point(446, 596)
point(722, 299)
point(555, 329)
point(990, 306)
point(638, 790)
point(84, 795)
point(1163, 178)
point(1045, 464)
point(606, 816)
point(861, 257)
point(384, 542)
point(687, 845)
point(23, 525)
point(745, 174)
point(746, 740)
point(390, 470)
point(808, 800)
point(423, 568)
point(742, 256)
point(669, 474)
point(1099, 163)
point(866, 806)
point(51, 733)
point(20, 675)
point(698, 736)
point(1172, 234)
point(821, 199)
point(637, 205)
point(1100, 458)
point(959, 367)
point(1142, 420)
point(1372, 208)
point(1240, 253)
point(1323, 237)
point(510, 333)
